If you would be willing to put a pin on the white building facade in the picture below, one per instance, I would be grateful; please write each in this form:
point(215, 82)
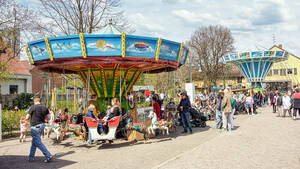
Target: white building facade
point(19, 83)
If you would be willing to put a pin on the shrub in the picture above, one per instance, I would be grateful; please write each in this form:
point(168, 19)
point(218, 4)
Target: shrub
point(11, 120)
point(23, 100)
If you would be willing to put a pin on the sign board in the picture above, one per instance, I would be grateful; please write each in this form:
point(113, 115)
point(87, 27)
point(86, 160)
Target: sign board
point(190, 89)
point(143, 113)
point(140, 88)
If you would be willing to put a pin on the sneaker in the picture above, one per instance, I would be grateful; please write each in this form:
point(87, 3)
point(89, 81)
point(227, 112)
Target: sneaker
point(47, 160)
point(184, 132)
point(294, 117)
point(30, 160)
point(191, 132)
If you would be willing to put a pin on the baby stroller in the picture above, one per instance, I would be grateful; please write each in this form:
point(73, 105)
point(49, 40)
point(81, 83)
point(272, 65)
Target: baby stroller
point(240, 108)
point(197, 118)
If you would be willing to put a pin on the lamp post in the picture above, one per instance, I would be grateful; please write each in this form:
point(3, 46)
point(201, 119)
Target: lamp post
point(191, 70)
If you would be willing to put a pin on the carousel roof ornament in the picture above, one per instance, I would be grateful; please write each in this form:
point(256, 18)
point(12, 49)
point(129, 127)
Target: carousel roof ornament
point(109, 29)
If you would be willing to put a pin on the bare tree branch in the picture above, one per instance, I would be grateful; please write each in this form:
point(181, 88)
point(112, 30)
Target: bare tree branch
point(208, 45)
point(86, 16)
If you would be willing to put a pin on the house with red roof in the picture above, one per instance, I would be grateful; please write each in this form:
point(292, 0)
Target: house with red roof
point(20, 79)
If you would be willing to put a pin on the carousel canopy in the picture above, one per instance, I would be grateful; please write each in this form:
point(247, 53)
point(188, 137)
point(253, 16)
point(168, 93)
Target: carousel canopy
point(255, 65)
point(111, 62)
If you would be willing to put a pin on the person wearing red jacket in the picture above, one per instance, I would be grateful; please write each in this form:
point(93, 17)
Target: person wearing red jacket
point(156, 107)
point(296, 103)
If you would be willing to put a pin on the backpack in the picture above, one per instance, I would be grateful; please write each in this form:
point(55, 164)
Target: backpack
point(279, 101)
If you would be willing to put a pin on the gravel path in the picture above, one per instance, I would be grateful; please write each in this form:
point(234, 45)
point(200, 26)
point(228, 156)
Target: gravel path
point(260, 141)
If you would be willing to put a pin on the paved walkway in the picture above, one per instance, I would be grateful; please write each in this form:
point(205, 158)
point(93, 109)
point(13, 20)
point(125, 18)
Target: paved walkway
point(260, 141)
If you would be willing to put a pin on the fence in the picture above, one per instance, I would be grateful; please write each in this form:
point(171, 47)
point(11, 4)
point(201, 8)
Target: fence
point(7, 100)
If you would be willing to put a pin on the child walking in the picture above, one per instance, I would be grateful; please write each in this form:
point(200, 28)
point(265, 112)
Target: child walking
point(23, 128)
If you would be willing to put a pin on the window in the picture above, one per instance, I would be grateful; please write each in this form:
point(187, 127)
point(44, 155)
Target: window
point(275, 72)
point(282, 72)
point(13, 89)
point(289, 71)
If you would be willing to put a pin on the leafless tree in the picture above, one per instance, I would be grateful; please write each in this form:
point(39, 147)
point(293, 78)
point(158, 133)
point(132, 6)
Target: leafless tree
point(17, 22)
point(87, 16)
point(167, 82)
point(208, 45)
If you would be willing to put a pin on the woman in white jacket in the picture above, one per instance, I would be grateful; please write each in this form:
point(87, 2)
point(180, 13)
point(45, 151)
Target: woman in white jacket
point(286, 102)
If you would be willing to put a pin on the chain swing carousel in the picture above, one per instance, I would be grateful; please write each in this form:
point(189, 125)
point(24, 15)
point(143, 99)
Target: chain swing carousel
point(109, 64)
point(255, 65)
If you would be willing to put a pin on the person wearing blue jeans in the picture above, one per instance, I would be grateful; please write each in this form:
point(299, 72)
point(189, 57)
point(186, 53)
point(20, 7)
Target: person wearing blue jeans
point(219, 118)
point(184, 107)
point(219, 109)
point(38, 114)
point(36, 132)
point(186, 122)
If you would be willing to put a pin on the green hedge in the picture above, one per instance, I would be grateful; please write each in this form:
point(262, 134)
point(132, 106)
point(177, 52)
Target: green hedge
point(11, 120)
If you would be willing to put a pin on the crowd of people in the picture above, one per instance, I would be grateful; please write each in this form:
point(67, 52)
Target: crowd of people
point(220, 106)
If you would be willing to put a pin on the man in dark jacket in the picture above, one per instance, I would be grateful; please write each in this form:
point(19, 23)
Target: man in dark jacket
point(272, 94)
point(184, 107)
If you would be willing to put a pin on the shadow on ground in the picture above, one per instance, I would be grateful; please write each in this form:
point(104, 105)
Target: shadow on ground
point(119, 143)
point(17, 161)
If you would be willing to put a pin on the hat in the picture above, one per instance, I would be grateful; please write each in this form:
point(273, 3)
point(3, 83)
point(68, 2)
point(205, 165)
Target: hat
point(220, 91)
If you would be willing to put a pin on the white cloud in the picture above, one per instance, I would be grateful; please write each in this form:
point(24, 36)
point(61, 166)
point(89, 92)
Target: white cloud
point(193, 16)
point(139, 19)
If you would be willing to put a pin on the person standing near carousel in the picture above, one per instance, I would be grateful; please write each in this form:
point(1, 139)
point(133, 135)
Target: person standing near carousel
point(286, 102)
point(219, 109)
point(38, 114)
point(184, 107)
point(227, 110)
point(296, 103)
point(233, 110)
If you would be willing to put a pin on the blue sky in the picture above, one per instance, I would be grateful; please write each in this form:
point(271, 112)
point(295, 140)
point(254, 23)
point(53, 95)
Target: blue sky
point(252, 22)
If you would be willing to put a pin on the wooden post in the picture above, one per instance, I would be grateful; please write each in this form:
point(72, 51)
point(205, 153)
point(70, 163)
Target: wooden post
point(74, 97)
